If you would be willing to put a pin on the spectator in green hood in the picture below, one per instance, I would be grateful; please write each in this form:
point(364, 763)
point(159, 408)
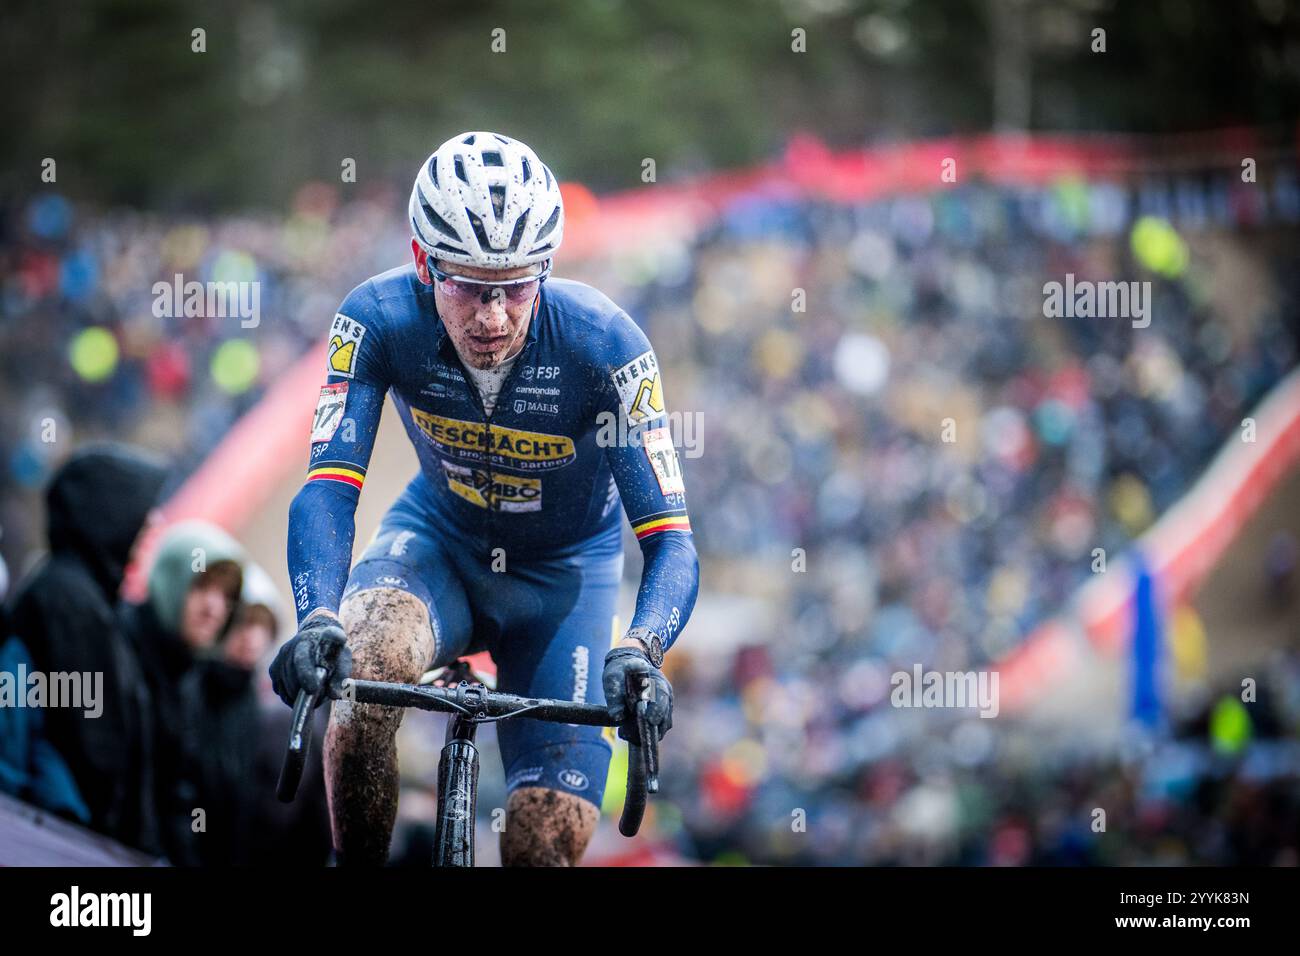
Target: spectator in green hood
point(193, 593)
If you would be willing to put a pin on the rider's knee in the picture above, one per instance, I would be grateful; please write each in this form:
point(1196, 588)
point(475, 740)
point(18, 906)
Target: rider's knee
point(389, 634)
point(546, 827)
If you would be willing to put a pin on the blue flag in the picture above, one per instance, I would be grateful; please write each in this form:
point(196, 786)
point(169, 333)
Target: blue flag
point(1148, 630)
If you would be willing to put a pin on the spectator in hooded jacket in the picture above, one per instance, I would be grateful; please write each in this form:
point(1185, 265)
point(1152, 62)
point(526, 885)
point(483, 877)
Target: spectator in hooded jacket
point(64, 614)
point(30, 768)
point(283, 834)
point(224, 720)
point(193, 593)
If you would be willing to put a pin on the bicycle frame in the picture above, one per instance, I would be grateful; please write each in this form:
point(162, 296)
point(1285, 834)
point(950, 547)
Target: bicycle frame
point(453, 838)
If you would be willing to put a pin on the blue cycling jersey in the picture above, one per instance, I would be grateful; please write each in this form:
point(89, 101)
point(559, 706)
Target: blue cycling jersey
point(580, 425)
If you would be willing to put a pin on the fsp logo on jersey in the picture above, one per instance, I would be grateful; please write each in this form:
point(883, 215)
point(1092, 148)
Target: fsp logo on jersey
point(639, 387)
point(345, 342)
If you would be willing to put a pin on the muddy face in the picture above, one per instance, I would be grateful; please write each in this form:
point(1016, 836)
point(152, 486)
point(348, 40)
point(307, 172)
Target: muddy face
point(487, 324)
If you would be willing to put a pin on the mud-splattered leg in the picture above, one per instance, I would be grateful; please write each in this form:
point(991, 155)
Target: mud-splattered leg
point(391, 640)
point(546, 828)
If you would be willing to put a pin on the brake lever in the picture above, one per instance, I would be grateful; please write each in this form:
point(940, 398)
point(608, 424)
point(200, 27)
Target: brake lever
point(642, 760)
point(648, 734)
point(295, 755)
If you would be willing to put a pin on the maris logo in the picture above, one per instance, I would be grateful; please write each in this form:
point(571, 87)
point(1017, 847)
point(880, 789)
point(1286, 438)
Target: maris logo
point(546, 408)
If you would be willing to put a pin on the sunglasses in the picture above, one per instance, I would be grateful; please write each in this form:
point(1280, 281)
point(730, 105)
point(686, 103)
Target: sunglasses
point(463, 288)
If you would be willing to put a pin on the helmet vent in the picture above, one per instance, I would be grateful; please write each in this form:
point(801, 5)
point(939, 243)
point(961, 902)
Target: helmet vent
point(468, 140)
point(419, 232)
point(498, 194)
point(528, 168)
point(519, 231)
point(433, 169)
point(460, 170)
point(550, 224)
point(442, 225)
point(424, 240)
point(492, 158)
point(479, 232)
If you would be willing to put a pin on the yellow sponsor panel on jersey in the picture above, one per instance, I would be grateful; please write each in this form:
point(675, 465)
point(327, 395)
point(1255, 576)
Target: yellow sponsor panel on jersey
point(500, 492)
point(345, 340)
point(640, 387)
point(507, 447)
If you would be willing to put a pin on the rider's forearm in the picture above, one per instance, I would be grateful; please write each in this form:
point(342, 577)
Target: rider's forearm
point(320, 546)
point(670, 581)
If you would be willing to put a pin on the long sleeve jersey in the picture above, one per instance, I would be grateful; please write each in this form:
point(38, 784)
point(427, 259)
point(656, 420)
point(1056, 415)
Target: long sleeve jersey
point(580, 424)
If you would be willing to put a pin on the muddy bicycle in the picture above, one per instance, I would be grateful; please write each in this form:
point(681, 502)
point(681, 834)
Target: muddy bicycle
point(470, 703)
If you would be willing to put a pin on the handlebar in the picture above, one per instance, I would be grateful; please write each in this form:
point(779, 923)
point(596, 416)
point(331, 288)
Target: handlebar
point(295, 755)
point(475, 702)
point(642, 761)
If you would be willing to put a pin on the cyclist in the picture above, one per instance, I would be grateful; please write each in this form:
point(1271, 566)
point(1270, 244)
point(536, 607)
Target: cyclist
point(535, 405)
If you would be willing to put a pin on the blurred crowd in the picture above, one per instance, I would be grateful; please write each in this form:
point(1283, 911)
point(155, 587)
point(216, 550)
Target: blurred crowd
point(158, 734)
point(782, 775)
point(920, 463)
point(902, 457)
point(95, 348)
point(182, 764)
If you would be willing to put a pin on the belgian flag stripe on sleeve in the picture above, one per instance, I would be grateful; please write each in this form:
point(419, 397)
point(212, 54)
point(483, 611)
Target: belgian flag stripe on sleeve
point(343, 471)
point(653, 524)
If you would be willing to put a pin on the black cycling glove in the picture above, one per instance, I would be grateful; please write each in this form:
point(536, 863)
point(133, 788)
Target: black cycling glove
point(622, 662)
point(320, 642)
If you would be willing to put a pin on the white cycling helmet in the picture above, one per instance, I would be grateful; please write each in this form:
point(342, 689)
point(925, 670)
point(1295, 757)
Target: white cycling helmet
point(483, 199)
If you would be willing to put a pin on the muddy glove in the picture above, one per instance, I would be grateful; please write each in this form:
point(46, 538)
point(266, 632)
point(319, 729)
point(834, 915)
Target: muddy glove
point(620, 664)
point(320, 642)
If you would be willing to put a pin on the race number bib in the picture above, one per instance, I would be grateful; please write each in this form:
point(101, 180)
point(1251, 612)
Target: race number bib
point(658, 444)
point(329, 411)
